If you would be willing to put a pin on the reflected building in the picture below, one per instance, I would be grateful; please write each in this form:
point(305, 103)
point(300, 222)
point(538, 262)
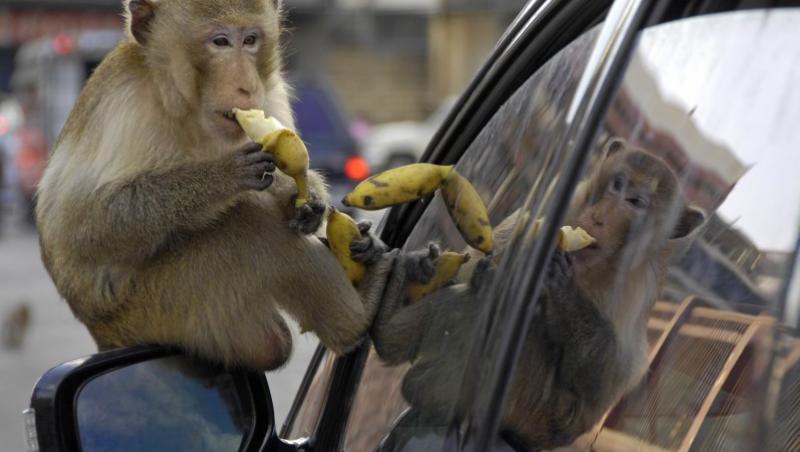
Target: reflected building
point(723, 265)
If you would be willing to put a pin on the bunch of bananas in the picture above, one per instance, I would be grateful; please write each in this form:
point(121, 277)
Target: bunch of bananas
point(395, 186)
point(418, 180)
point(291, 155)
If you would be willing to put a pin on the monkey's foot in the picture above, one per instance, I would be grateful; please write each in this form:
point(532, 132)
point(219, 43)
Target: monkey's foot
point(421, 265)
point(308, 218)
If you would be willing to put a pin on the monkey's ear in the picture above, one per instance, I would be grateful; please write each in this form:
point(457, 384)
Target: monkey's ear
point(613, 146)
point(689, 222)
point(140, 17)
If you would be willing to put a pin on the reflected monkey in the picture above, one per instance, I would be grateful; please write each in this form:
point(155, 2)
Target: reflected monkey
point(587, 346)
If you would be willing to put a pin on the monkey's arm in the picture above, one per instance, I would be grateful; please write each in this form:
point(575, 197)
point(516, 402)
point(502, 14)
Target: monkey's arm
point(129, 220)
point(578, 333)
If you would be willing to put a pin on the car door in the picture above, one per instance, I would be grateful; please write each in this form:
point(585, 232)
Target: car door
point(720, 366)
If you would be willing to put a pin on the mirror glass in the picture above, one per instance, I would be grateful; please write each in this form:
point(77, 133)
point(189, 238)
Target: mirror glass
point(170, 403)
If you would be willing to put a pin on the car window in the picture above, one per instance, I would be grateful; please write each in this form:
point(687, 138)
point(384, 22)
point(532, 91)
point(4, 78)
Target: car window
point(304, 422)
point(715, 98)
point(408, 405)
point(668, 331)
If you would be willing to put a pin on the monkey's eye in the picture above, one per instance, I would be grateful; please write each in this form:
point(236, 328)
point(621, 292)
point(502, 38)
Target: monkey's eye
point(221, 41)
point(250, 40)
point(638, 202)
point(616, 185)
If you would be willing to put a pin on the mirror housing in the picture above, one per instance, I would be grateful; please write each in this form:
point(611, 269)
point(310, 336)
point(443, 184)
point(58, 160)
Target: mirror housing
point(56, 396)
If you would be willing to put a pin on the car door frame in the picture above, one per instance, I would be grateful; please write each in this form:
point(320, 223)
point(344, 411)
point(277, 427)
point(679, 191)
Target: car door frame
point(542, 29)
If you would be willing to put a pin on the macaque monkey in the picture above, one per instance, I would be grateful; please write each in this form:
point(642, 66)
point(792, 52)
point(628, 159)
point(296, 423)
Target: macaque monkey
point(160, 222)
point(587, 346)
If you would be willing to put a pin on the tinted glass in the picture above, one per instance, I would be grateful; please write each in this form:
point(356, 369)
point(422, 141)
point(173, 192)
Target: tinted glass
point(668, 331)
point(166, 404)
point(512, 164)
point(304, 423)
point(716, 98)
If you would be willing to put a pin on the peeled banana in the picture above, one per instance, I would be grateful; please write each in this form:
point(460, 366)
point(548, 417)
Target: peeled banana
point(468, 211)
point(569, 238)
point(341, 231)
point(447, 266)
point(573, 239)
point(291, 155)
point(398, 185)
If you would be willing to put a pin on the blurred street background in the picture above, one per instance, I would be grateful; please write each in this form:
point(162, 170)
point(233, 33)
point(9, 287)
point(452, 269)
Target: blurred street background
point(373, 80)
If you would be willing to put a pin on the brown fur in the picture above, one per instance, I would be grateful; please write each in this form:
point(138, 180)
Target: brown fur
point(587, 347)
point(150, 224)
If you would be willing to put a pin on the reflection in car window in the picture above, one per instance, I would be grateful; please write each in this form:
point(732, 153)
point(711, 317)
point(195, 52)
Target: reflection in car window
point(715, 97)
point(305, 420)
point(660, 334)
point(407, 404)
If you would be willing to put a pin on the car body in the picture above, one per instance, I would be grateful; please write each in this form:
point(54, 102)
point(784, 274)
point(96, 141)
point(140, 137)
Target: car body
point(723, 357)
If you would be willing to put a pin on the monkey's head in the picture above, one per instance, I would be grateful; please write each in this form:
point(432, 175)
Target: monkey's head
point(634, 208)
point(208, 56)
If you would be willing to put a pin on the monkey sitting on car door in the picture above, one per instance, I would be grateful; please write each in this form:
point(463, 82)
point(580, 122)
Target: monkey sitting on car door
point(587, 346)
point(161, 224)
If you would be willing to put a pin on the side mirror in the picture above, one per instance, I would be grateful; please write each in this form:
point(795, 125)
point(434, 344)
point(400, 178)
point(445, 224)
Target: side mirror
point(151, 398)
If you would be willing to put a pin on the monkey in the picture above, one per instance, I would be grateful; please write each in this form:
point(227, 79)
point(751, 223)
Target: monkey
point(587, 344)
point(16, 323)
point(160, 223)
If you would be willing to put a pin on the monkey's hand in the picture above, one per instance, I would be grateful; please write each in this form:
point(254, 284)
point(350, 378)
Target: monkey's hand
point(560, 275)
point(369, 249)
point(561, 303)
point(308, 218)
point(420, 265)
point(251, 168)
point(482, 275)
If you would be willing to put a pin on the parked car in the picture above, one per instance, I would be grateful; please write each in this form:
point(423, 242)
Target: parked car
point(394, 144)
point(708, 87)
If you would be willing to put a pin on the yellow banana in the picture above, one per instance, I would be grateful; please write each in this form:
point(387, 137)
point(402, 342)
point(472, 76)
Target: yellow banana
point(569, 239)
point(447, 266)
point(291, 155)
point(341, 232)
point(398, 185)
point(573, 239)
point(468, 211)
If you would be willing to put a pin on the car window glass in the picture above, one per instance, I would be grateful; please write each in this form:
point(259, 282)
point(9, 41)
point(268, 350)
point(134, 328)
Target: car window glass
point(715, 99)
point(407, 403)
point(305, 419)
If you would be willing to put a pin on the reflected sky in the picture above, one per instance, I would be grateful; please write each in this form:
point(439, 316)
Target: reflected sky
point(164, 404)
point(739, 72)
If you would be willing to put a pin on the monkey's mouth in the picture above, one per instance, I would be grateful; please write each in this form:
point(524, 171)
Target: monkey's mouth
point(230, 118)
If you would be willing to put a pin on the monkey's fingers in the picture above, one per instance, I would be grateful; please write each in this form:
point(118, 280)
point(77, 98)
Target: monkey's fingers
point(308, 218)
point(369, 249)
point(364, 226)
point(421, 265)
